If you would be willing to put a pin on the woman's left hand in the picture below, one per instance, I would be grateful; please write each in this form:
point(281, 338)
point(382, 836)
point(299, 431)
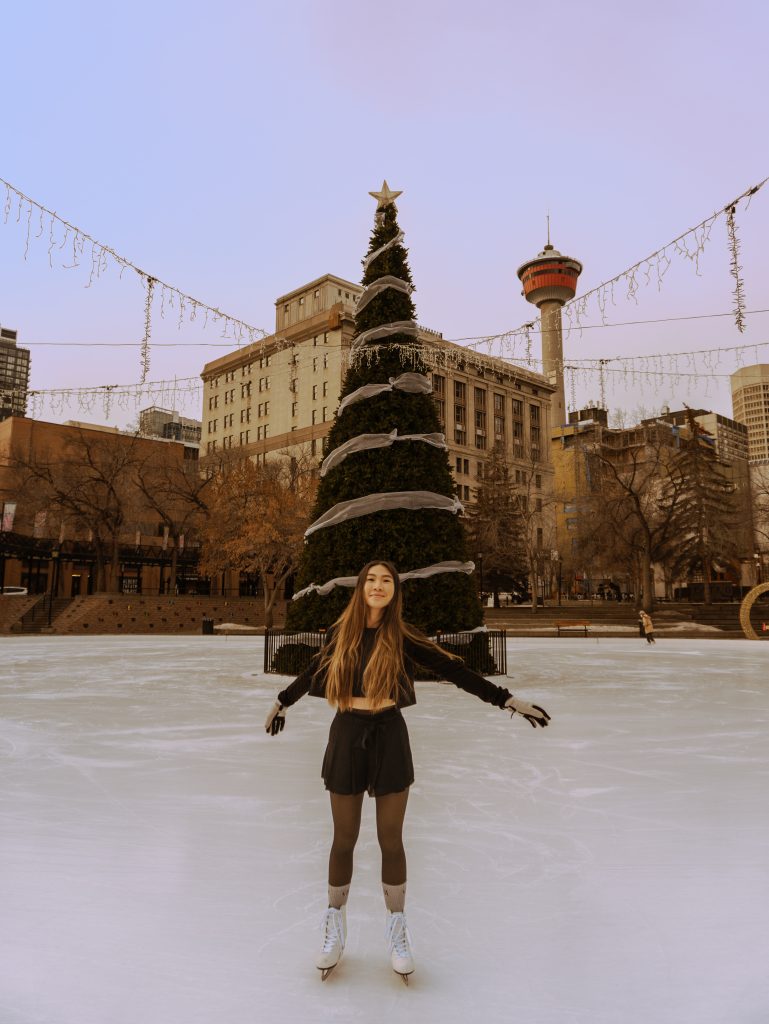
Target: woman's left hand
point(533, 713)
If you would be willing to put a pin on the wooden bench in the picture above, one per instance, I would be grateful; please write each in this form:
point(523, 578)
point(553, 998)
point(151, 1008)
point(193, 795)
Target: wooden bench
point(573, 626)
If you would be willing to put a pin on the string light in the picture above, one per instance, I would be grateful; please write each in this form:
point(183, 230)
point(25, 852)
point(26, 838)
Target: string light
point(688, 246)
point(101, 255)
point(736, 270)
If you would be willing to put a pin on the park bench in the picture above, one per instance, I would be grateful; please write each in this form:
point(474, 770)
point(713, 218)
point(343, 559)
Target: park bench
point(573, 626)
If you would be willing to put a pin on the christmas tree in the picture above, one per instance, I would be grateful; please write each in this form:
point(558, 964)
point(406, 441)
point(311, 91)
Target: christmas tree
point(387, 498)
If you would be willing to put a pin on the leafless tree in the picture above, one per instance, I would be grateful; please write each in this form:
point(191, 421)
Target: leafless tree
point(88, 485)
point(257, 515)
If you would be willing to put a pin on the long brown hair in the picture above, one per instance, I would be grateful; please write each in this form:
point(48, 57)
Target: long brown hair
point(384, 677)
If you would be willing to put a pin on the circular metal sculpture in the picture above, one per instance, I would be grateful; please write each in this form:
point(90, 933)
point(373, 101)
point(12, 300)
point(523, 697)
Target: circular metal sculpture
point(747, 603)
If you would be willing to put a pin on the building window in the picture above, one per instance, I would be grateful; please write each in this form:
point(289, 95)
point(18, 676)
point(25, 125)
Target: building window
point(293, 408)
point(466, 490)
point(538, 480)
point(459, 465)
point(325, 410)
point(325, 389)
point(315, 392)
point(466, 463)
point(314, 413)
point(535, 436)
point(439, 386)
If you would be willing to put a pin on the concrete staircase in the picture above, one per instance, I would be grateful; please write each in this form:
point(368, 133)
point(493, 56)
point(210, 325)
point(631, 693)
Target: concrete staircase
point(37, 619)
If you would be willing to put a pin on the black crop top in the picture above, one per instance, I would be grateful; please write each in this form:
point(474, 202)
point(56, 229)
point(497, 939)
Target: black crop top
point(313, 682)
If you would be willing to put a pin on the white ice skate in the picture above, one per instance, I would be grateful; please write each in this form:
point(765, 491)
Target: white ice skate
point(399, 945)
point(334, 931)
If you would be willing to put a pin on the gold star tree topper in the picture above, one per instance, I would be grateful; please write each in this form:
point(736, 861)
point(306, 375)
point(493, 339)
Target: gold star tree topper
point(385, 197)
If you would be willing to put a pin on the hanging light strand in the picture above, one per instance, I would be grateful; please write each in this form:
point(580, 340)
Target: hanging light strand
point(75, 243)
point(650, 270)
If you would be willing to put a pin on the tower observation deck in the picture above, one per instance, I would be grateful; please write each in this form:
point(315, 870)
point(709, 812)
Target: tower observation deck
point(550, 280)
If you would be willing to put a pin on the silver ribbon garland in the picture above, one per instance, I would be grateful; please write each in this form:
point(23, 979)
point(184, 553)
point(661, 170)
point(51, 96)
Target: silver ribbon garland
point(364, 442)
point(429, 570)
point(379, 286)
point(413, 383)
point(396, 327)
point(378, 252)
point(381, 502)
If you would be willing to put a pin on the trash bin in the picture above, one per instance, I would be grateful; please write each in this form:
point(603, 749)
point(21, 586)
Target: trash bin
point(208, 627)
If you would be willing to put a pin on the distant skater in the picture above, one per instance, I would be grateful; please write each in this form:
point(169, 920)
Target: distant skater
point(646, 626)
point(366, 671)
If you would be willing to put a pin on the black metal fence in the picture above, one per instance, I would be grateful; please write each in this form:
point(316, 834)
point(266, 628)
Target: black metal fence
point(289, 653)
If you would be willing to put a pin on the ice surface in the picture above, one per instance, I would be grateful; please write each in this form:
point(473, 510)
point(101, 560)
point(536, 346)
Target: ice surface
point(163, 861)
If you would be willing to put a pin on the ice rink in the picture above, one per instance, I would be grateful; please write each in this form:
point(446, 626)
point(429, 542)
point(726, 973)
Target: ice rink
point(163, 861)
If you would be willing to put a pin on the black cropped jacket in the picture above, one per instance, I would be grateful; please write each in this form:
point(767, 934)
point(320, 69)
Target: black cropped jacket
point(314, 682)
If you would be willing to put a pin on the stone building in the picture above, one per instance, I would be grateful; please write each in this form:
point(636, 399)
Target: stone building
point(279, 396)
point(49, 551)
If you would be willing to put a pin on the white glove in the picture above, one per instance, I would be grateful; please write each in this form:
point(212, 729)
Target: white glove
point(275, 720)
point(533, 713)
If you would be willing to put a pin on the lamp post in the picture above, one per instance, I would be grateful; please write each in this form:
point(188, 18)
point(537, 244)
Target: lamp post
point(480, 572)
point(54, 581)
point(757, 562)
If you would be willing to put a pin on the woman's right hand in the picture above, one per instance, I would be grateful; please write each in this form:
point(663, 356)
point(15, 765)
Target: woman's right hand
point(275, 720)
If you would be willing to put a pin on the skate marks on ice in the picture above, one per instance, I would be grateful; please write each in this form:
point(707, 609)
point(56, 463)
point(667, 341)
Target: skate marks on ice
point(161, 860)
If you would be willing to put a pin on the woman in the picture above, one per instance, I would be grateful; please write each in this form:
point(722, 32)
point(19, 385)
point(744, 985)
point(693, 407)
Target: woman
point(647, 626)
point(366, 670)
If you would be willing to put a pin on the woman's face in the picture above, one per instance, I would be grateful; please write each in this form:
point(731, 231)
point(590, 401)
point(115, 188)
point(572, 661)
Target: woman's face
point(378, 589)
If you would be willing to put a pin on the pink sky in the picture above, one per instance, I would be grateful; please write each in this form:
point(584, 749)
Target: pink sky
point(231, 152)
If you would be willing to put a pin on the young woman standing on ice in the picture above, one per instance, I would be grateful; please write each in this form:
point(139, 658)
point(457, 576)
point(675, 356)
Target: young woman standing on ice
point(366, 671)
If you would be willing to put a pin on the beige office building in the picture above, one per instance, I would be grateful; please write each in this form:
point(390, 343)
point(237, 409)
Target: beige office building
point(750, 405)
point(280, 395)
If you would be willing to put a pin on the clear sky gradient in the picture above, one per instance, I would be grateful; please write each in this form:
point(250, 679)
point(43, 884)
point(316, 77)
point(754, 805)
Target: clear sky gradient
point(229, 149)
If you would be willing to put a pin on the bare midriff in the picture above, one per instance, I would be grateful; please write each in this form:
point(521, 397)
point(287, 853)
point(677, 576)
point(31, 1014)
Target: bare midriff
point(364, 704)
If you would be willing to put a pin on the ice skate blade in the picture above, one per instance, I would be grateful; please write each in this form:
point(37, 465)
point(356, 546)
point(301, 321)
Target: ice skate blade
point(325, 971)
point(404, 977)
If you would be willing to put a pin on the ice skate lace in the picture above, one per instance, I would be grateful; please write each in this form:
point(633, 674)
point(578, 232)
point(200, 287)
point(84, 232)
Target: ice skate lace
point(331, 926)
point(398, 937)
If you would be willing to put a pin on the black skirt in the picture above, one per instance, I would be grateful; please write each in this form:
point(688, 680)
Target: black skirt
point(368, 751)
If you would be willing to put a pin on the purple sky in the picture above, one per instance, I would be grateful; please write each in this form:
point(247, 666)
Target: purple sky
point(229, 150)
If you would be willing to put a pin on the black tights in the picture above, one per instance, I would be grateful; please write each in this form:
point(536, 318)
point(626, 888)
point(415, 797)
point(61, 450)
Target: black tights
point(346, 812)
